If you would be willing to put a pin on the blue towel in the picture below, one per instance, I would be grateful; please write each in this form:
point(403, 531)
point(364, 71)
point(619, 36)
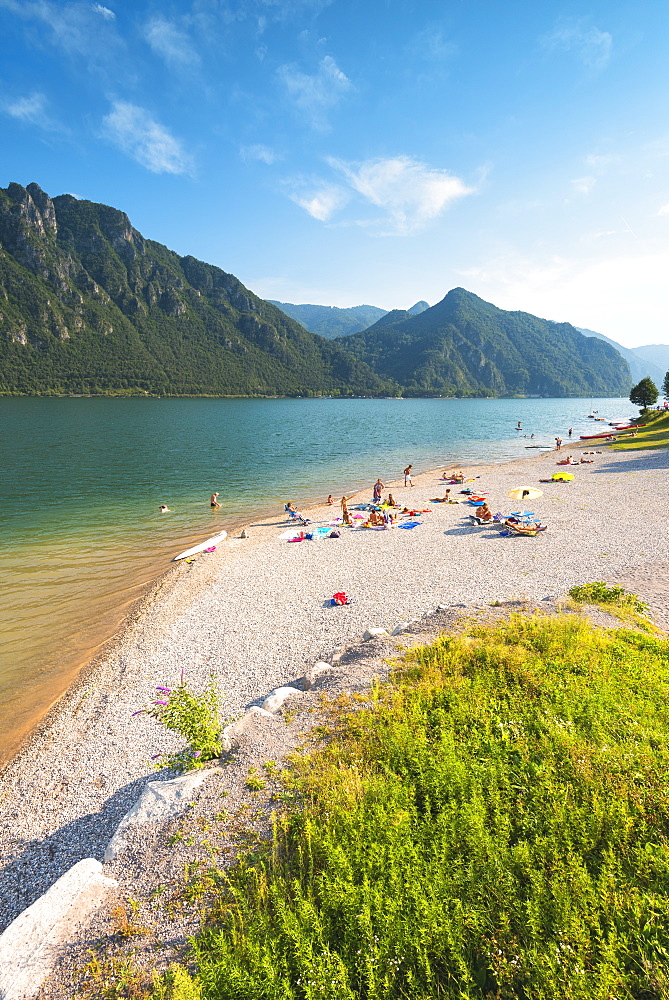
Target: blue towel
point(410, 524)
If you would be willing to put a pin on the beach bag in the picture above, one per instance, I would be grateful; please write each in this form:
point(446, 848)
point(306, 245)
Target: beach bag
point(335, 534)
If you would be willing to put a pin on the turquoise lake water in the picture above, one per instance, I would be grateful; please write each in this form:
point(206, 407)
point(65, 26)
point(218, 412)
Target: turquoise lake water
point(83, 479)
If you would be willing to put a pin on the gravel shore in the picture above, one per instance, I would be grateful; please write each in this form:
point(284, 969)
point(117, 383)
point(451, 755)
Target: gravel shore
point(254, 614)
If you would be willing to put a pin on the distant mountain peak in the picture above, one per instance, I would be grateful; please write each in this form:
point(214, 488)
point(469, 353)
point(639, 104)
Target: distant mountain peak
point(418, 307)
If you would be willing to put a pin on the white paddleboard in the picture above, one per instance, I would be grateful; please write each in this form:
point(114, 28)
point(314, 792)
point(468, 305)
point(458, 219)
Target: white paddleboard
point(214, 540)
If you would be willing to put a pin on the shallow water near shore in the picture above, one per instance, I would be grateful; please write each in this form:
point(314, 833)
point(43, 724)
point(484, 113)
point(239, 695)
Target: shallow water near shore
point(83, 479)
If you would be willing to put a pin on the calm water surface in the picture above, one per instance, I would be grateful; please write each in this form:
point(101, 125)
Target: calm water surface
point(83, 478)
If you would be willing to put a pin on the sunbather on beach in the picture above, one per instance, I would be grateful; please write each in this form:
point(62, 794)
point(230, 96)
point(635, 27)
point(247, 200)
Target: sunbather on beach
point(346, 517)
point(482, 515)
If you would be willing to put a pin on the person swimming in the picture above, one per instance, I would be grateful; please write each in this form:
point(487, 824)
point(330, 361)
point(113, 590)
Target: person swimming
point(163, 509)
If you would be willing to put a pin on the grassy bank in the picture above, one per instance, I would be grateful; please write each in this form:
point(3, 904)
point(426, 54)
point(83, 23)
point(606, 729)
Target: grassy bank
point(654, 435)
point(495, 825)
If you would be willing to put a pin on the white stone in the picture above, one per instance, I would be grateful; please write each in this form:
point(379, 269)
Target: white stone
point(400, 628)
point(160, 801)
point(276, 698)
point(31, 945)
point(233, 732)
point(315, 671)
point(374, 633)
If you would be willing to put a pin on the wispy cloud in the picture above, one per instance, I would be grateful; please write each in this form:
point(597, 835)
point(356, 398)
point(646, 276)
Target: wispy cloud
point(31, 110)
point(584, 185)
point(663, 210)
point(105, 12)
point(134, 131)
point(171, 43)
point(316, 94)
point(259, 152)
point(320, 199)
point(82, 30)
point(592, 46)
point(410, 193)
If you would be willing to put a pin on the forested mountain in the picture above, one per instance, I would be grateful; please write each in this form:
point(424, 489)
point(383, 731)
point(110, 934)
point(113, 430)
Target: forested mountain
point(467, 347)
point(651, 360)
point(88, 305)
point(331, 321)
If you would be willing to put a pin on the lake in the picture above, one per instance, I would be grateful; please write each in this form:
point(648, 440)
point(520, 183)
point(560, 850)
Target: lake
point(83, 478)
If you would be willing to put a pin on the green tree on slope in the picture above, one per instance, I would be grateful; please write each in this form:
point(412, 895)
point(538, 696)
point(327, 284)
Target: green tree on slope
point(644, 394)
point(665, 386)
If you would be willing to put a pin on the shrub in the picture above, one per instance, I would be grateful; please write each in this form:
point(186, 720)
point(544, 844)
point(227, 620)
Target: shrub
point(196, 717)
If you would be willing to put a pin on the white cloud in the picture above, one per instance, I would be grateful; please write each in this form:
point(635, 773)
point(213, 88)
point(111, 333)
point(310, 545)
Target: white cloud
point(168, 41)
point(82, 30)
point(31, 110)
point(105, 12)
point(664, 209)
point(133, 130)
point(259, 152)
point(600, 162)
point(592, 46)
point(410, 193)
point(320, 200)
point(315, 95)
point(584, 185)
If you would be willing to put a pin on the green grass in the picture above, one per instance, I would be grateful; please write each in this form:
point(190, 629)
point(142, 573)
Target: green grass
point(616, 600)
point(656, 435)
point(496, 826)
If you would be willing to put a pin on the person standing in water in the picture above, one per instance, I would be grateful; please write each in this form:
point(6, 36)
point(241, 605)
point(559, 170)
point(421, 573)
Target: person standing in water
point(213, 502)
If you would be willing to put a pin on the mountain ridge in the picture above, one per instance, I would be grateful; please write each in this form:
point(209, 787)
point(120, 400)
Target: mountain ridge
point(466, 346)
point(87, 304)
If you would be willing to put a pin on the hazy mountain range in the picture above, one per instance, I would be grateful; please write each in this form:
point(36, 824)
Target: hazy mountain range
point(88, 305)
point(331, 321)
point(652, 360)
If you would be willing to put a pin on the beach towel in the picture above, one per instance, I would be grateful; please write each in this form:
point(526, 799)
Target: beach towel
point(410, 524)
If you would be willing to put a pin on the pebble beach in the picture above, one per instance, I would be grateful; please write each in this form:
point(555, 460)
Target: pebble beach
point(256, 613)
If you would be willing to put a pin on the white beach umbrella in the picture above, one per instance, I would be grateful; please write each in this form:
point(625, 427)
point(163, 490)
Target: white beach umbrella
point(529, 493)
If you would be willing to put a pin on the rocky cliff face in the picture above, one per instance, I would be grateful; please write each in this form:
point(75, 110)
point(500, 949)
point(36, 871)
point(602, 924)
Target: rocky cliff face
point(88, 304)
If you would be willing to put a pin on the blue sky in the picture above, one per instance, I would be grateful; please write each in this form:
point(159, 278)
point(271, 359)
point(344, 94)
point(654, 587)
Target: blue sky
point(376, 151)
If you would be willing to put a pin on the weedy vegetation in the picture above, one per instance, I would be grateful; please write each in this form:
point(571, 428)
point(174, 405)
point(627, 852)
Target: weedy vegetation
point(614, 599)
point(494, 824)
